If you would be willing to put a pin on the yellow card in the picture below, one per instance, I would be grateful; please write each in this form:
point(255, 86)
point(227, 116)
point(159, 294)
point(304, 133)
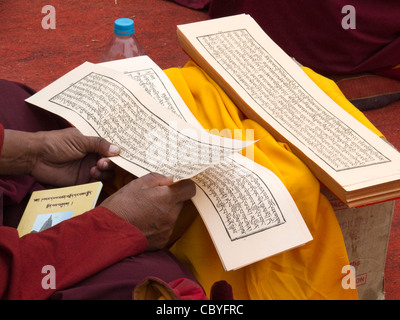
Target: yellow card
point(46, 208)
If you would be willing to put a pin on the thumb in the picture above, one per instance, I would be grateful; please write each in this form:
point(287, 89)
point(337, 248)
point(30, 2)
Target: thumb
point(154, 179)
point(101, 146)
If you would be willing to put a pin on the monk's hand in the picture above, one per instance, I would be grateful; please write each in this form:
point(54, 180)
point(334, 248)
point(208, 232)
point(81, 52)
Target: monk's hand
point(152, 204)
point(59, 157)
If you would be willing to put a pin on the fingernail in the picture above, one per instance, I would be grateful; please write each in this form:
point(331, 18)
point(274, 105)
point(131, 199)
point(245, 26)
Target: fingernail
point(113, 149)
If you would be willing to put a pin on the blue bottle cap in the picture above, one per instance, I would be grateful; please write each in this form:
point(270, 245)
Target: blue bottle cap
point(124, 27)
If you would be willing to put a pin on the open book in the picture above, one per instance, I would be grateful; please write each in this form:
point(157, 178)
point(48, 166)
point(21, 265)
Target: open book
point(269, 87)
point(132, 103)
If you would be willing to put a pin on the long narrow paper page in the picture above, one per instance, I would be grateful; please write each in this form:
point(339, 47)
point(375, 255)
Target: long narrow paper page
point(276, 88)
point(248, 212)
point(104, 102)
point(156, 83)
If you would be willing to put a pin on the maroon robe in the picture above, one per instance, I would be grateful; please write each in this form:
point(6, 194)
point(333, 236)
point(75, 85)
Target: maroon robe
point(311, 31)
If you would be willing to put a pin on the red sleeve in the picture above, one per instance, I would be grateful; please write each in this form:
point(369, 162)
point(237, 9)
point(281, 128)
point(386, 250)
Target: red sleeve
point(76, 248)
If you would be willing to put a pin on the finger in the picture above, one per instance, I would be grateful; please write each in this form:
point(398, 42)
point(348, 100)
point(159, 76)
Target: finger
point(153, 179)
point(183, 190)
point(105, 164)
point(101, 146)
point(97, 174)
point(166, 181)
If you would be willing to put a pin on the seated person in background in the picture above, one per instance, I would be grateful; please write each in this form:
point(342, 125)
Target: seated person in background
point(356, 44)
point(327, 36)
point(102, 254)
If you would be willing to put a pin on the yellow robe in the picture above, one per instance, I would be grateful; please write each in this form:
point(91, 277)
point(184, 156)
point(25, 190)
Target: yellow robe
point(312, 271)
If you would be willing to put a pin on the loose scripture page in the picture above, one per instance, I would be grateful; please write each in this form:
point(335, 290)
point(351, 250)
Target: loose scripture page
point(156, 83)
point(103, 102)
point(244, 206)
point(248, 212)
point(283, 96)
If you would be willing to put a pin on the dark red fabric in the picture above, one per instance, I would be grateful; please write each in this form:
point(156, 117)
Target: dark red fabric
point(186, 289)
point(311, 31)
point(181, 288)
point(369, 91)
point(393, 73)
point(76, 248)
point(16, 114)
point(117, 281)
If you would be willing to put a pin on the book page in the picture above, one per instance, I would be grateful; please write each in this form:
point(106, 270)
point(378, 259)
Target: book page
point(274, 86)
point(106, 103)
point(241, 203)
point(156, 83)
point(248, 211)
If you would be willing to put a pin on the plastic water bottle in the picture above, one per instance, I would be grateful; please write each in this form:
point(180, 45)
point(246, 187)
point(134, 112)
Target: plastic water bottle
point(124, 43)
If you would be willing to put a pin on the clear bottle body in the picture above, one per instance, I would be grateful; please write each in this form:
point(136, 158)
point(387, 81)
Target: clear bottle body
point(121, 47)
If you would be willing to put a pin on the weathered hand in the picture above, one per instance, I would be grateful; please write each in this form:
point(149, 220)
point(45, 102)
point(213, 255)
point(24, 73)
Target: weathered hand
point(67, 157)
point(58, 158)
point(152, 204)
